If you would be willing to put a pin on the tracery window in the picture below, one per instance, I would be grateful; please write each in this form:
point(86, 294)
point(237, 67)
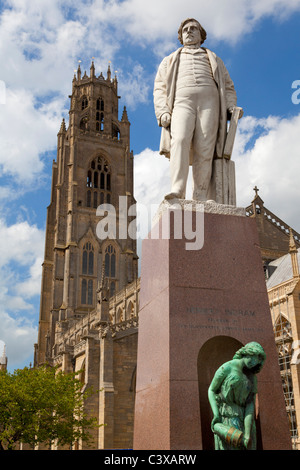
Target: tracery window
point(284, 340)
point(100, 104)
point(110, 260)
point(112, 289)
point(90, 292)
point(87, 292)
point(88, 259)
point(84, 103)
point(99, 115)
point(98, 183)
point(120, 315)
point(130, 310)
point(83, 291)
point(87, 269)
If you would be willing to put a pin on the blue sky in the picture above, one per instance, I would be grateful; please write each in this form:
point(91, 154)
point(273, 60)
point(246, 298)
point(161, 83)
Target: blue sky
point(40, 45)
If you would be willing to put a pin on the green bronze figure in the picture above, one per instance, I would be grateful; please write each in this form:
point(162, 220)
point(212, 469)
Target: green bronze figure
point(232, 399)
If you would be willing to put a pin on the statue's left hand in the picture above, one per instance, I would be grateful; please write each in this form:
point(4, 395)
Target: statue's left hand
point(246, 441)
point(230, 110)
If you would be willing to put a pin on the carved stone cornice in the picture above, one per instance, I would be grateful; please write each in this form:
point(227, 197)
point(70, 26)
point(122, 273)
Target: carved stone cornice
point(123, 326)
point(114, 329)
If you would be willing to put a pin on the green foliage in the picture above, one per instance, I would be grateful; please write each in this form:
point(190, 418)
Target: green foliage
point(42, 405)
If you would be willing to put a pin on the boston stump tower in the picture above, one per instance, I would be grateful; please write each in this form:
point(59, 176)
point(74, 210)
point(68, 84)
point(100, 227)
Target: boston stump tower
point(94, 166)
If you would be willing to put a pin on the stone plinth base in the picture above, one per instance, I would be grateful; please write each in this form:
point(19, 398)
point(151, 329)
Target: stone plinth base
point(197, 308)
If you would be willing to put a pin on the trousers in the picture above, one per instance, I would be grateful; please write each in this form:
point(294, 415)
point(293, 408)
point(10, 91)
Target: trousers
point(194, 123)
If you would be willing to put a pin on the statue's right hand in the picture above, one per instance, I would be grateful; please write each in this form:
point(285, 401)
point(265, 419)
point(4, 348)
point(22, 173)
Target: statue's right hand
point(216, 419)
point(165, 120)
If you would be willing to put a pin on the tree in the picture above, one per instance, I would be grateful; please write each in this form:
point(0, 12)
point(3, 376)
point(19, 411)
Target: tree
point(42, 406)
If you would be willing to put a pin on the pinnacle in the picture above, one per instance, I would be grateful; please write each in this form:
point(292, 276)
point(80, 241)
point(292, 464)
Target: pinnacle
point(108, 72)
point(124, 115)
point(292, 244)
point(63, 127)
point(92, 70)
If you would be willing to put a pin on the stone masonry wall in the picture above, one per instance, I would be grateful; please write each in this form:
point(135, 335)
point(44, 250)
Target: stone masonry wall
point(125, 359)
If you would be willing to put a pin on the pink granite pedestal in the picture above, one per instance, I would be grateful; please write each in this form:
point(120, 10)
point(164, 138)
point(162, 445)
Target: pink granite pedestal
point(197, 308)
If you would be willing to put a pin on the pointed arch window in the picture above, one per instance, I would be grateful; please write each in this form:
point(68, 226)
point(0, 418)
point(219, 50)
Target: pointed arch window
point(90, 292)
point(99, 115)
point(88, 198)
point(130, 310)
point(83, 291)
point(112, 289)
point(84, 262)
point(87, 289)
point(88, 259)
point(84, 103)
point(110, 262)
point(98, 183)
point(87, 271)
point(95, 199)
point(100, 104)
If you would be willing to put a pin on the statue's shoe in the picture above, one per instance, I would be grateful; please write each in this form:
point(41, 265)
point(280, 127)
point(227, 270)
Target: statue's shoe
point(173, 196)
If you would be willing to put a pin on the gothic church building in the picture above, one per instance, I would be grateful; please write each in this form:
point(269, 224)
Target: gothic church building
point(79, 328)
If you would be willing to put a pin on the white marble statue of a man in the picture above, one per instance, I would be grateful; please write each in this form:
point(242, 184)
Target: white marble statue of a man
point(193, 94)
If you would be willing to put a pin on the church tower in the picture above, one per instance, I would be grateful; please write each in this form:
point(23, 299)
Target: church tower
point(94, 166)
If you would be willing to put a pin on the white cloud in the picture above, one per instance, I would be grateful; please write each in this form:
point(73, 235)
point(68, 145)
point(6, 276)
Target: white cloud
point(20, 243)
point(19, 336)
point(134, 86)
point(271, 162)
point(151, 177)
point(152, 182)
point(31, 286)
point(27, 132)
point(156, 20)
point(46, 39)
point(21, 252)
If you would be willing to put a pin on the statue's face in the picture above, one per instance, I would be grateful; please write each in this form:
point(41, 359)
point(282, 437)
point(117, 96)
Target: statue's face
point(191, 34)
point(251, 362)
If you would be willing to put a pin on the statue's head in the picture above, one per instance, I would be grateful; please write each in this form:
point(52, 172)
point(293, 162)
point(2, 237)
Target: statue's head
point(252, 349)
point(183, 26)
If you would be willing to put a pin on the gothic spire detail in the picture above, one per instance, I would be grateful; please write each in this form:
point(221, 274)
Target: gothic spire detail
point(294, 255)
point(124, 115)
point(108, 72)
point(79, 72)
point(92, 70)
point(63, 129)
point(292, 245)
